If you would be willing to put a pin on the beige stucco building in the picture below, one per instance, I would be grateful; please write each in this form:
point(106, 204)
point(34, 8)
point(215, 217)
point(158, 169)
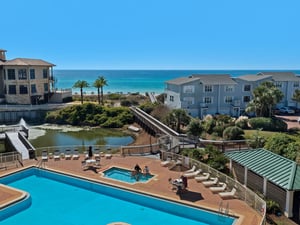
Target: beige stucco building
point(25, 81)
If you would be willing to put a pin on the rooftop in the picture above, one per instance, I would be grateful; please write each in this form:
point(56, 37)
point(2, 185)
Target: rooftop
point(281, 171)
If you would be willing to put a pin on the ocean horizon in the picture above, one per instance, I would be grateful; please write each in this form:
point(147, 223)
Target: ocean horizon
point(135, 81)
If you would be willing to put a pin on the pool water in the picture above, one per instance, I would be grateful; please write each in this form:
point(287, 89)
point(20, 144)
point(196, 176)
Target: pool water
point(124, 175)
point(61, 199)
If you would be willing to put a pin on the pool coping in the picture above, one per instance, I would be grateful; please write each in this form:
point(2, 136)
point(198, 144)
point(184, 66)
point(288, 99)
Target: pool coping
point(14, 196)
point(238, 217)
point(154, 176)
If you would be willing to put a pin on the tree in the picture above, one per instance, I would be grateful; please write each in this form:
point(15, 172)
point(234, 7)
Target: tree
point(81, 84)
point(296, 96)
point(178, 117)
point(99, 83)
point(195, 129)
point(284, 145)
point(265, 97)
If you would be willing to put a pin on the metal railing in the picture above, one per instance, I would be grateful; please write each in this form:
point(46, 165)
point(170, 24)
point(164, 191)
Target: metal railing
point(8, 159)
point(248, 196)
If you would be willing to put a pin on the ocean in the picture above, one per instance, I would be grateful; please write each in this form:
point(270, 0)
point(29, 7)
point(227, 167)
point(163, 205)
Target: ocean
point(133, 81)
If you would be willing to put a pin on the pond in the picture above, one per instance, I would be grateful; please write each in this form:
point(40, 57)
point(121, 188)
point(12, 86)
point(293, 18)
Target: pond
point(53, 135)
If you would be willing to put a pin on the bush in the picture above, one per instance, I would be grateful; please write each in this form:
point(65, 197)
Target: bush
point(268, 124)
point(233, 133)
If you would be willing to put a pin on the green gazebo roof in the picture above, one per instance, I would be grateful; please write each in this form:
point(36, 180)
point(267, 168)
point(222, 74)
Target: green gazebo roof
point(277, 169)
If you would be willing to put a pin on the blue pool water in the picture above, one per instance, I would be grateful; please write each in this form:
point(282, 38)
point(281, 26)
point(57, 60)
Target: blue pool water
point(60, 199)
point(124, 175)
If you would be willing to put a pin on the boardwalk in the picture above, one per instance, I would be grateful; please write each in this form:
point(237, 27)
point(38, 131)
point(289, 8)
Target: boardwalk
point(197, 195)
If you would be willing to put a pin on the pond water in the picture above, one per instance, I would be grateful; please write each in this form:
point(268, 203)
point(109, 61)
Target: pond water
point(49, 135)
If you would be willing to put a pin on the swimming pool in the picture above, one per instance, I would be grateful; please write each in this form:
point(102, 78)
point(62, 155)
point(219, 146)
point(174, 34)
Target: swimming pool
point(60, 199)
point(124, 175)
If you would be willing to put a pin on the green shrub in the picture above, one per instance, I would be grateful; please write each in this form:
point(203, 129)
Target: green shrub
point(233, 133)
point(268, 124)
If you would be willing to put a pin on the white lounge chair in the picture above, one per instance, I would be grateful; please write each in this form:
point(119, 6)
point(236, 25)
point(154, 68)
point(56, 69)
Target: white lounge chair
point(56, 155)
point(68, 154)
point(192, 174)
point(204, 177)
point(167, 162)
point(75, 154)
point(228, 194)
point(191, 170)
point(97, 153)
point(219, 188)
point(44, 155)
point(211, 182)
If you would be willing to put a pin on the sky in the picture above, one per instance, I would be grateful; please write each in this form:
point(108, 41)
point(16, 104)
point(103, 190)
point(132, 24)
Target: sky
point(154, 34)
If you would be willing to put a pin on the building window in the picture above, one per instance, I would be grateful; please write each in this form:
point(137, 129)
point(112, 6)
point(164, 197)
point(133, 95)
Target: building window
point(188, 89)
point(45, 73)
point(228, 99)
point(22, 74)
point(189, 100)
point(207, 100)
point(229, 88)
point(46, 89)
point(208, 88)
point(33, 89)
point(32, 74)
point(171, 98)
point(247, 87)
point(278, 84)
point(12, 90)
point(23, 89)
point(246, 98)
point(11, 75)
point(296, 84)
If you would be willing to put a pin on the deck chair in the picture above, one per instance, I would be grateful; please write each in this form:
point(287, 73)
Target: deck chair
point(228, 194)
point(192, 174)
point(211, 182)
point(97, 153)
point(68, 154)
point(191, 170)
point(75, 154)
point(56, 155)
point(203, 177)
point(44, 155)
point(219, 188)
point(166, 162)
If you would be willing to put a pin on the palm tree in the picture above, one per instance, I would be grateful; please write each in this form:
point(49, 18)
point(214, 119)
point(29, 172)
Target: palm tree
point(265, 97)
point(296, 96)
point(99, 83)
point(81, 84)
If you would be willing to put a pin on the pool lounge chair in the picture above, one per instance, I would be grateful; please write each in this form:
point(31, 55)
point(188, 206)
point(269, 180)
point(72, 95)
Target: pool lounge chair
point(44, 155)
point(203, 177)
point(167, 162)
point(228, 194)
point(75, 154)
point(219, 188)
point(192, 174)
point(191, 170)
point(97, 153)
point(211, 182)
point(56, 155)
point(68, 154)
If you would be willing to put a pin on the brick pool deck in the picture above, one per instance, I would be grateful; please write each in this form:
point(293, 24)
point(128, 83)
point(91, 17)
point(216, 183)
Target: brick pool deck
point(197, 195)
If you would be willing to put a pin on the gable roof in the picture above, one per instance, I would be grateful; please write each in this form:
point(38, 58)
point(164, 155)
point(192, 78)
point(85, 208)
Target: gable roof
point(213, 79)
point(281, 76)
point(26, 62)
point(254, 77)
point(279, 170)
point(206, 79)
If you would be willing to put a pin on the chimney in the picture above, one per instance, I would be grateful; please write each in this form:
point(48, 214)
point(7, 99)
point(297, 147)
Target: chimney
point(2, 55)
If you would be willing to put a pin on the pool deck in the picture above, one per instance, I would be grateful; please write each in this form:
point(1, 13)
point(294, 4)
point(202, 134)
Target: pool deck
point(196, 195)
